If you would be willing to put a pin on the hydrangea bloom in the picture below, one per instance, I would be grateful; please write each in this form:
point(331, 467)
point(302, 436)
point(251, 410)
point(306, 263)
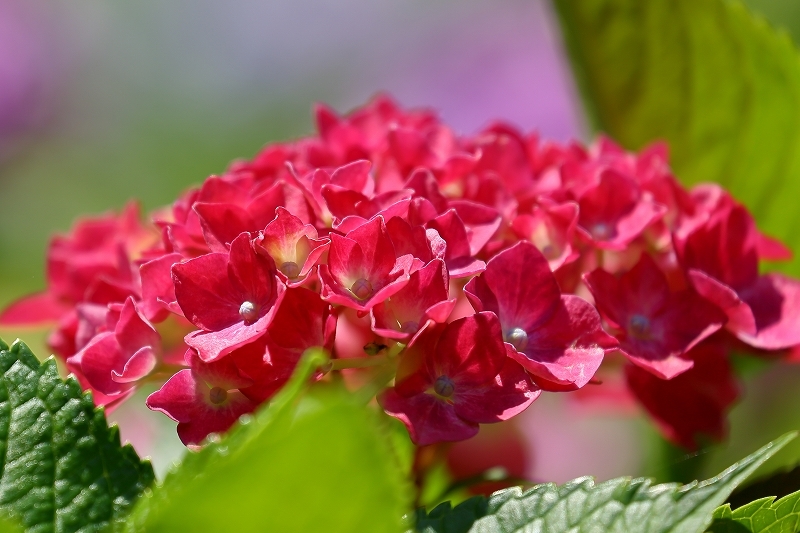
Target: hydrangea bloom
point(386, 226)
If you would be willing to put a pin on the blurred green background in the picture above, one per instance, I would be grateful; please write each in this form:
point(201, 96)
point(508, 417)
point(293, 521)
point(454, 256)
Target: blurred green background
point(105, 101)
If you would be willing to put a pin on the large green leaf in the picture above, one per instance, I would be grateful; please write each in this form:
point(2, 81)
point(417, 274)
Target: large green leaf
point(621, 505)
point(315, 461)
point(721, 86)
point(777, 484)
point(62, 468)
point(761, 516)
point(8, 526)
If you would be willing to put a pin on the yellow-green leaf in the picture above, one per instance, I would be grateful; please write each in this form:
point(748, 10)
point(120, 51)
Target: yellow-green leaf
point(716, 82)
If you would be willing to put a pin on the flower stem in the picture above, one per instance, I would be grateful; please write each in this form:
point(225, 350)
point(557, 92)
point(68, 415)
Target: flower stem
point(355, 362)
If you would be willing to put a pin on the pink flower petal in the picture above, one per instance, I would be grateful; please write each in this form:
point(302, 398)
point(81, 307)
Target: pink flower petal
point(428, 419)
point(510, 393)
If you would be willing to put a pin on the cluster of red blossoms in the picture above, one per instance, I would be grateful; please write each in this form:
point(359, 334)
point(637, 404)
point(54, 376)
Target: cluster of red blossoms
point(479, 271)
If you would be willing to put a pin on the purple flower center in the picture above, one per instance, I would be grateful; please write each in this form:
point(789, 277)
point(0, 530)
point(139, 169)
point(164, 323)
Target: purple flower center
point(601, 231)
point(518, 338)
point(361, 289)
point(549, 251)
point(444, 386)
point(248, 311)
point(217, 395)
point(409, 327)
point(290, 269)
point(639, 326)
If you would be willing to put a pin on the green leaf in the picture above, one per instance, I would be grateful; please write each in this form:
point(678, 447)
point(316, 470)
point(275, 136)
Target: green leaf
point(62, 468)
point(622, 505)
point(717, 83)
point(760, 516)
point(777, 484)
point(9, 526)
point(315, 461)
point(447, 519)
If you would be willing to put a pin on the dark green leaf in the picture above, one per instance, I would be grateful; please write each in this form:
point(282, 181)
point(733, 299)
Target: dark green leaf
point(717, 83)
point(63, 468)
point(777, 484)
point(447, 519)
point(315, 461)
point(761, 516)
point(622, 505)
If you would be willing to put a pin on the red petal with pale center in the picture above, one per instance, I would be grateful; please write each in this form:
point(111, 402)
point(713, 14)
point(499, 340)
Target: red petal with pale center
point(613, 213)
point(185, 398)
point(212, 289)
point(657, 326)
point(428, 419)
point(423, 298)
point(520, 281)
point(565, 352)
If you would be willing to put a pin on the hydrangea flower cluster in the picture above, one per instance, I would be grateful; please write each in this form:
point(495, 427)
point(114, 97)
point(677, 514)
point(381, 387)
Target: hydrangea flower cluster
point(477, 270)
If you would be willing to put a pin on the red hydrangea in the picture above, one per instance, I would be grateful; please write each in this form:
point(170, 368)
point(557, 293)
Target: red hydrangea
point(204, 399)
point(453, 378)
point(379, 231)
point(656, 327)
point(557, 338)
point(231, 297)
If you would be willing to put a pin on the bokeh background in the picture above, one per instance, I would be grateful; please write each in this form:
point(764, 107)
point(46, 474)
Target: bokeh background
point(105, 101)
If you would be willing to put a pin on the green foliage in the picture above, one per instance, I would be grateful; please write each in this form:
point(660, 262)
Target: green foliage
point(622, 505)
point(317, 461)
point(63, 468)
point(445, 518)
point(9, 526)
point(760, 516)
point(777, 484)
point(717, 83)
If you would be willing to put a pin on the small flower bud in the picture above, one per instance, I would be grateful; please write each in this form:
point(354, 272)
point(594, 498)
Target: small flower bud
point(518, 338)
point(248, 311)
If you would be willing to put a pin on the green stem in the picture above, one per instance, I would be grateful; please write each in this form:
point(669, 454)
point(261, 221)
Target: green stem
point(356, 362)
point(383, 377)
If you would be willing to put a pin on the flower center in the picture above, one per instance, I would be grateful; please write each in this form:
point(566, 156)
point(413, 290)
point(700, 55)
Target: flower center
point(248, 311)
point(444, 387)
point(361, 289)
point(409, 327)
point(518, 338)
point(601, 231)
point(639, 326)
point(218, 395)
point(290, 269)
point(549, 251)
